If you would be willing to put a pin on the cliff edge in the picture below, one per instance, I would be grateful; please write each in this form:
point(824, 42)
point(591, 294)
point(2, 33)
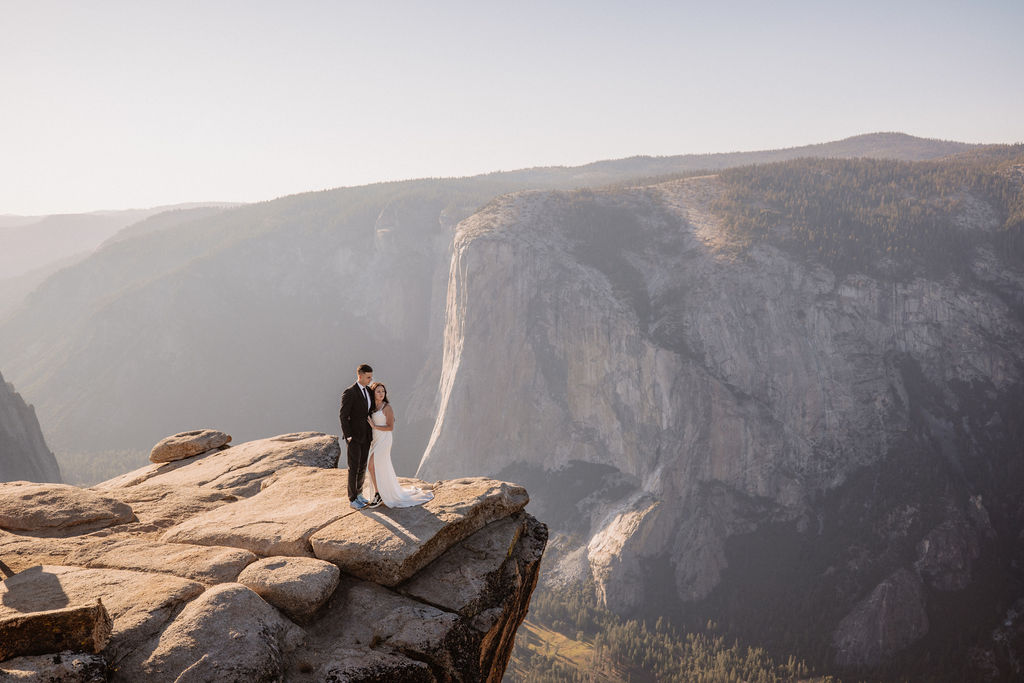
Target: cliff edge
point(247, 563)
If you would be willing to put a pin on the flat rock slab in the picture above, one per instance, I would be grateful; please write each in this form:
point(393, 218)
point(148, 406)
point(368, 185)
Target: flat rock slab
point(239, 470)
point(209, 565)
point(227, 634)
point(389, 546)
point(298, 586)
point(164, 506)
point(186, 444)
point(80, 628)
point(21, 552)
point(58, 509)
point(465, 578)
point(63, 667)
point(139, 603)
point(279, 520)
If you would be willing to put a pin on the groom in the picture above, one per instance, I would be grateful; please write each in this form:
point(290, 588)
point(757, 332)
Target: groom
point(356, 404)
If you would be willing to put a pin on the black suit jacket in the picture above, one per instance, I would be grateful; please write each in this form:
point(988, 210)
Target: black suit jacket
point(354, 413)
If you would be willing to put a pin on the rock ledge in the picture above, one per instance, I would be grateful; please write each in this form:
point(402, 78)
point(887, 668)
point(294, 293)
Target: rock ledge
point(248, 563)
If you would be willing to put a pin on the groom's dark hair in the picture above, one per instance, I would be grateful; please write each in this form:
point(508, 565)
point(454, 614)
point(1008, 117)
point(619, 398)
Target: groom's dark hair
point(364, 368)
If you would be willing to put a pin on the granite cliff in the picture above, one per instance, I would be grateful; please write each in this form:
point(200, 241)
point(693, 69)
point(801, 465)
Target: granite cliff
point(246, 563)
point(793, 447)
point(23, 451)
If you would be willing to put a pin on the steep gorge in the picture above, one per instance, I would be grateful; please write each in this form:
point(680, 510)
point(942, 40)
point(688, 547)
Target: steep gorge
point(783, 441)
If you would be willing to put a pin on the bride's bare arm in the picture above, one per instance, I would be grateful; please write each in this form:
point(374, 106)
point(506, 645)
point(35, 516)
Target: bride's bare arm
point(389, 415)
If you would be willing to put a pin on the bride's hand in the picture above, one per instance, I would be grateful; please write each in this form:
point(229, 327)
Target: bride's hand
point(370, 420)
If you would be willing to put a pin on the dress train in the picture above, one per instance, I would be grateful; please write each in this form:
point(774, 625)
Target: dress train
point(391, 492)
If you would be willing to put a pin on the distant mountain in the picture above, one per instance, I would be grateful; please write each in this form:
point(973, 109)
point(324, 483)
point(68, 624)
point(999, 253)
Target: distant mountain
point(23, 451)
point(28, 243)
point(242, 316)
point(898, 146)
point(44, 240)
point(14, 290)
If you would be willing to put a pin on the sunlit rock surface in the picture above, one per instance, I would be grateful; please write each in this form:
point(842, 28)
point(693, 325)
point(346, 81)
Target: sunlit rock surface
point(439, 594)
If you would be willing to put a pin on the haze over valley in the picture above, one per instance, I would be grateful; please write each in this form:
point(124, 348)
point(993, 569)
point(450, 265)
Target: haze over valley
point(736, 393)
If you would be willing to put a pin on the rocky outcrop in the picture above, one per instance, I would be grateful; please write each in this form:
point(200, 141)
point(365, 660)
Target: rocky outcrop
point(186, 444)
point(246, 639)
point(391, 555)
point(83, 629)
point(886, 621)
point(239, 471)
point(57, 509)
point(63, 667)
point(278, 520)
point(428, 593)
point(298, 586)
point(23, 451)
point(947, 553)
point(140, 604)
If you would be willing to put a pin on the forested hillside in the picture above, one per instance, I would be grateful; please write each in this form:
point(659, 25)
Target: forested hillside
point(881, 214)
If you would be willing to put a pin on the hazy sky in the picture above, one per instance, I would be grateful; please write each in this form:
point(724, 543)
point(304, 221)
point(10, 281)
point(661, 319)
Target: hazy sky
point(116, 104)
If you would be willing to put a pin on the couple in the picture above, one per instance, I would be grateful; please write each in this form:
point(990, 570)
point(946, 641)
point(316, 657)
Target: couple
point(367, 422)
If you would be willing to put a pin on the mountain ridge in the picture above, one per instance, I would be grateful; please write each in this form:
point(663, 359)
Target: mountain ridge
point(332, 220)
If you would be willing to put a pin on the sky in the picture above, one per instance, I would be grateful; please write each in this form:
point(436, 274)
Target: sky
point(115, 104)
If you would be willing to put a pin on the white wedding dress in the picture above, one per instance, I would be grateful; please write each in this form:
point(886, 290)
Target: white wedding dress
point(391, 492)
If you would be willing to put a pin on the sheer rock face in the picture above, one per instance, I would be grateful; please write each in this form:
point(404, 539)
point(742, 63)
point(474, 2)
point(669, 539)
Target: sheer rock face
point(947, 553)
point(886, 621)
point(190, 606)
point(712, 391)
point(23, 451)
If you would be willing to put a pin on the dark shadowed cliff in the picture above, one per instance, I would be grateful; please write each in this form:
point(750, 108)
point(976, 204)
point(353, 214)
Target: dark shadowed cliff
point(23, 451)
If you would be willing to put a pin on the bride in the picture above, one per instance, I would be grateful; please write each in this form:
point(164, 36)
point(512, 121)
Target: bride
point(382, 472)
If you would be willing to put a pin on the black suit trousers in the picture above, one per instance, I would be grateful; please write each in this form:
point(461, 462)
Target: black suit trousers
point(358, 454)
